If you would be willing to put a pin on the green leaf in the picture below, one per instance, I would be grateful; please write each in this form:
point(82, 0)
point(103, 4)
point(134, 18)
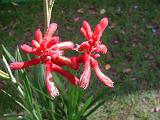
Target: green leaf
point(8, 54)
point(12, 77)
point(98, 97)
point(11, 116)
point(19, 103)
point(4, 75)
point(61, 88)
point(94, 108)
point(84, 108)
point(9, 70)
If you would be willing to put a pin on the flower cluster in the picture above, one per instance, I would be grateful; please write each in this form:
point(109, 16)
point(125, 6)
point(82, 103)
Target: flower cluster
point(91, 48)
point(50, 52)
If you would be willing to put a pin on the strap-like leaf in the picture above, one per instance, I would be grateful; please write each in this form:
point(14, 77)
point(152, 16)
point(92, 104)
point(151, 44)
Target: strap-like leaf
point(84, 108)
point(8, 54)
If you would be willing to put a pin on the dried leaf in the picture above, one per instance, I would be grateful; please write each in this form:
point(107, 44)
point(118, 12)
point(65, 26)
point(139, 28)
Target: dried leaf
point(107, 66)
point(14, 3)
point(127, 71)
point(115, 41)
point(112, 25)
point(81, 10)
point(69, 28)
point(77, 19)
point(148, 57)
point(102, 11)
point(92, 10)
point(157, 109)
point(109, 55)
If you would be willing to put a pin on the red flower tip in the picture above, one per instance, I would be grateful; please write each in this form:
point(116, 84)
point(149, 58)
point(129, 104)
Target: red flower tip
point(26, 48)
point(50, 31)
point(83, 32)
point(50, 43)
point(51, 88)
point(56, 39)
point(103, 23)
point(16, 65)
point(38, 35)
point(85, 77)
point(86, 30)
point(65, 45)
point(21, 65)
point(35, 44)
point(103, 78)
point(97, 32)
point(83, 46)
point(86, 26)
point(101, 48)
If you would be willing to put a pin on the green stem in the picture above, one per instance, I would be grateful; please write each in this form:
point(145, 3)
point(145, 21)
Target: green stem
point(46, 14)
point(48, 5)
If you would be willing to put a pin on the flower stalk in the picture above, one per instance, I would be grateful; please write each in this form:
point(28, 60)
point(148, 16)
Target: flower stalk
point(48, 5)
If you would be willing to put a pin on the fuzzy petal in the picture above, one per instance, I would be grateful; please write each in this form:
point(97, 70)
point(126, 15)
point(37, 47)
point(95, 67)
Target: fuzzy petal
point(56, 39)
point(103, 23)
point(86, 26)
point(51, 88)
point(83, 32)
point(53, 54)
point(101, 48)
point(79, 59)
point(103, 78)
point(95, 55)
point(83, 46)
point(26, 48)
point(51, 43)
point(50, 31)
point(38, 35)
point(61, 60)
point(65, 45)
point(21, 65)
point(73, 79)
point(97, 33)
point(89, 35)
point(88, 30)
point(85, 77)
point(74, 63)
point(86, 34)
point(56, 60)
point(35, 44)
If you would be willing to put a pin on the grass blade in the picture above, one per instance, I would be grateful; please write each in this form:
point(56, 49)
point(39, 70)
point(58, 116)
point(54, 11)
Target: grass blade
point(8, 54)
point(84, 108)
point(4, 75)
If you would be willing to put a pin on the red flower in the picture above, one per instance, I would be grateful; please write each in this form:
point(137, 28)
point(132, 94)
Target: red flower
point(91, 48)
point(50, 52)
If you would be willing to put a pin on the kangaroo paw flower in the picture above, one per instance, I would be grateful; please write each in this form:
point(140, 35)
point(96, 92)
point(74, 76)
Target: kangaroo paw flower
point(91, 48)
